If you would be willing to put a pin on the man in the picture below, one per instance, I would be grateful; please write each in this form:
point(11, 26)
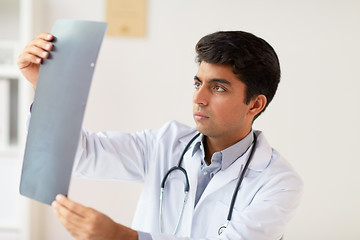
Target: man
point(237, 78)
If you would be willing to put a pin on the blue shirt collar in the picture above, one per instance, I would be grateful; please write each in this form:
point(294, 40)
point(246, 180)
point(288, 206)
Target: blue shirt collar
point(227, 156)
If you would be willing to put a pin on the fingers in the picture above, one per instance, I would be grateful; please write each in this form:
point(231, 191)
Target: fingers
point(77, 219)
point(65, 210)
point(67, 216)
point(45, 36)
point(42, 41)
point(86, 223)
point(36, 50)
point(78, 209)
point(31, 55)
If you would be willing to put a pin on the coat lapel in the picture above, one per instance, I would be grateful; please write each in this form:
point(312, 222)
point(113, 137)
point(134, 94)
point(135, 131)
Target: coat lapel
point(259, 162)
point(192, 167)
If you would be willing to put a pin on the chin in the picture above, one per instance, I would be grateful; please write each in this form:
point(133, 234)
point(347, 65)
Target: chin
point(203, 131)
point(199, 128)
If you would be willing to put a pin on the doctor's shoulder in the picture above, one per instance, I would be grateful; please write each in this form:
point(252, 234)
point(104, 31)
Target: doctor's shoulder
point(173, 132)
point(271, 163)
point(166, 143)
point(279, 180)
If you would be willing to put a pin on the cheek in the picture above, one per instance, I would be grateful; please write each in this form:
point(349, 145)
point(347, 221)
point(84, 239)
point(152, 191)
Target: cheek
point(231, 113)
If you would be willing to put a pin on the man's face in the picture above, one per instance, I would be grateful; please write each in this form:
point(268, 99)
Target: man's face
point(219, 107)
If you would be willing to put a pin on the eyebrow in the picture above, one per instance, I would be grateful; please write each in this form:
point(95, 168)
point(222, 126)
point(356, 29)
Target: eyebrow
point(218, 80)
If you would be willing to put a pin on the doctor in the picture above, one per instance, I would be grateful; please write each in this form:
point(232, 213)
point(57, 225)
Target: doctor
point(239, 187)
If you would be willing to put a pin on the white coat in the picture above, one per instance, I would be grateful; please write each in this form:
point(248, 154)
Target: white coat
point(268, 196)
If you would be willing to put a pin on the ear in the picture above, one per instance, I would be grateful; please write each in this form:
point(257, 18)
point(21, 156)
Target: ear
point(257, 104)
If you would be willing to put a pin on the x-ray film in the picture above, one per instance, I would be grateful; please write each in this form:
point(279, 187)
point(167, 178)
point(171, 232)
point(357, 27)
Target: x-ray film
point(60, 98)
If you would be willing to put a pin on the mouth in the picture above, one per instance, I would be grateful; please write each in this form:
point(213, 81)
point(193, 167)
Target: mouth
point(198, 116)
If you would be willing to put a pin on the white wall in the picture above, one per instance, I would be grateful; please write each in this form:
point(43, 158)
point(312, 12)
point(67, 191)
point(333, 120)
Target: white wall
point(313, 120)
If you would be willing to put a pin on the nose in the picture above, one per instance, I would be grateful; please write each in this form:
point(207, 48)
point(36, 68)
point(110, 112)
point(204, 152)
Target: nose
point(201, 96)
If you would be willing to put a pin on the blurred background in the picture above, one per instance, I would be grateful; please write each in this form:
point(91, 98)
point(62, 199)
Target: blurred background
point(143, 81)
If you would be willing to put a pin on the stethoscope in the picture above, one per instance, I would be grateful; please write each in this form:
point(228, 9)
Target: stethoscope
point(187, 186)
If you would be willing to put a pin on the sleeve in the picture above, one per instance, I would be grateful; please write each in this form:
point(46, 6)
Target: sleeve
point(114, 155)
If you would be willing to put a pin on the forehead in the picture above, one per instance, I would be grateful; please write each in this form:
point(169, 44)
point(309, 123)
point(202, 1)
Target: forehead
point(209, 71)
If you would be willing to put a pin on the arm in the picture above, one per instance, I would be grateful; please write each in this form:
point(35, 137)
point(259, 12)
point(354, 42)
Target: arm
point(86, 223)
point(113, 155)
point(92, 146)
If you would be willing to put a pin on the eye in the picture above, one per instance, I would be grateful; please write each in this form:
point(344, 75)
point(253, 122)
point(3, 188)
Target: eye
point(219, 89)
point(197, 85)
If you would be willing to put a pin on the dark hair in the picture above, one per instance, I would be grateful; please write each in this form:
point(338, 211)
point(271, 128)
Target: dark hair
point(252, 59)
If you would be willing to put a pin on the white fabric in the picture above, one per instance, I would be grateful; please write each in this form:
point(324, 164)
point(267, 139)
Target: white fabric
point(266, 200)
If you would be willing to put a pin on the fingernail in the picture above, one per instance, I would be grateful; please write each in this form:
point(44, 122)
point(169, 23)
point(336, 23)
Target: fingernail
point(53, 204)
point(49, 36)
point(38, 60)
point(59, 197)
point(44, 54)
point(48, 46)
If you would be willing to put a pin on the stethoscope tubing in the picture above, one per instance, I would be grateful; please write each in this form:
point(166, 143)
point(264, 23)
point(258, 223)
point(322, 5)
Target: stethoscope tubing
point(243, 171)
point(186, 149)
point(242, 175)
point(186, 188)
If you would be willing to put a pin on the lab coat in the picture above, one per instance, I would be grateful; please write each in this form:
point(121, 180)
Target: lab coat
point(267, 198)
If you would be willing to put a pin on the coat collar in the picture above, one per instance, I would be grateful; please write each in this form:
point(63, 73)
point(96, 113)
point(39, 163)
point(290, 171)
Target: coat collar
point(261, 158)
point(260, 161)
point(262, 154)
